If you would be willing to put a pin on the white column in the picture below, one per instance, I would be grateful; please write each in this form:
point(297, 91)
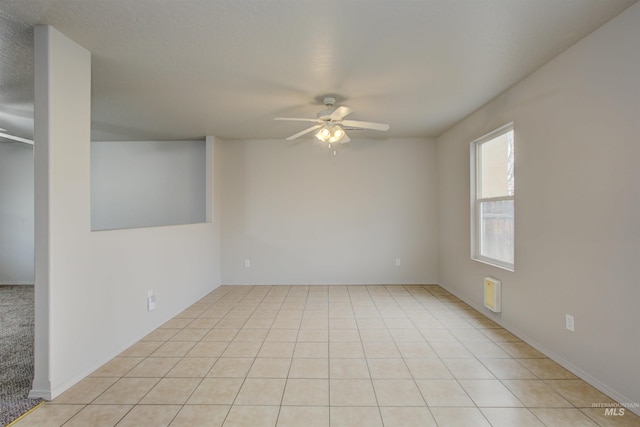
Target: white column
point(62, 142)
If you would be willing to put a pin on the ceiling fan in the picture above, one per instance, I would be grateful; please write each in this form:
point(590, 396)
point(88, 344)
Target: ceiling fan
point(331, 126)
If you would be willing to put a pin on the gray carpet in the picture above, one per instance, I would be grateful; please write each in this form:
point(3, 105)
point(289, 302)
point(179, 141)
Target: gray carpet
point(16, 351)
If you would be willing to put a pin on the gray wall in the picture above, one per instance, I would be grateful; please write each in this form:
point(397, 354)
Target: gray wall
point(577, 247)
point(147, 183)
point(304, 216)
point(16, 213)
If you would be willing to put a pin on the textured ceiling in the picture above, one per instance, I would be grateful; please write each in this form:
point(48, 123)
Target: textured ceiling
point(168, 69)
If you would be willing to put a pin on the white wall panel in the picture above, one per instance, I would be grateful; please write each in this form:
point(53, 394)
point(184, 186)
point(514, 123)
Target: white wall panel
point(91, 287)
point(577, 240)
point(303, 216)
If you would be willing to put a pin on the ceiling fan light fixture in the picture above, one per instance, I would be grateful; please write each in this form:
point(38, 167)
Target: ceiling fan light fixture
point(336, 134)
point(324, 134)
point(330, 134)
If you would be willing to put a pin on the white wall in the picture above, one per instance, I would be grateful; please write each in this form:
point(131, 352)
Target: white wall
point(147, 183)
point(577, 130)
point(91, 287)
point(302, 215)
point(16, 213)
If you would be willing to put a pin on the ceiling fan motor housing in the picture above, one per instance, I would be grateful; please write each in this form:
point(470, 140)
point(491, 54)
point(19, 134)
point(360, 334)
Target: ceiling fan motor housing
point(324, 115)
point(329, 102)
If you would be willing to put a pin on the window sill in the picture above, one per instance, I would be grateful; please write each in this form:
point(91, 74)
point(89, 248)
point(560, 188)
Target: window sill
point(495, 263)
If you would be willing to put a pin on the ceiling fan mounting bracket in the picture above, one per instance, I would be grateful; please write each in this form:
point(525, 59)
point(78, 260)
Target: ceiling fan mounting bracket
point(329, 101)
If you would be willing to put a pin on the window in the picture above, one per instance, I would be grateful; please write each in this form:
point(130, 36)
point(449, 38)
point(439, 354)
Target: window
point(493, 194)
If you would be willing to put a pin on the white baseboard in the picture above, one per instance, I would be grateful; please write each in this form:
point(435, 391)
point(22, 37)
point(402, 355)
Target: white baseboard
point(334, 284)
point(604, 388)
point(40, 394)
point(14, 283)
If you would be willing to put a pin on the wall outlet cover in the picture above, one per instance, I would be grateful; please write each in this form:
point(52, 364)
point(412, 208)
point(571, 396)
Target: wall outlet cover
point(570, 323)
point(151, 301)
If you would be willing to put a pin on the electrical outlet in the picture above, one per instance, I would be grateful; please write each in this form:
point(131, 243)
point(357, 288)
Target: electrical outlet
point(570, 323)
point(151, 301)
point(397, 262)
point(247, 263)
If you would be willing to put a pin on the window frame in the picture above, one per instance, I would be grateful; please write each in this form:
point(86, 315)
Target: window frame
point(475, 217)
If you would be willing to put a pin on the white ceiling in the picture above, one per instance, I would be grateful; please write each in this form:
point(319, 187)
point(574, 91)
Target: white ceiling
point(170, 69)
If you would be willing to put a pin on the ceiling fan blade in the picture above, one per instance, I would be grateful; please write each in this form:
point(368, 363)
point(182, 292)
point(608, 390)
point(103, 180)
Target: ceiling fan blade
point(15, 138)
point(365, 125)
point(344, 139)
point(304, 132)
point(340, 112)
point(298, 119)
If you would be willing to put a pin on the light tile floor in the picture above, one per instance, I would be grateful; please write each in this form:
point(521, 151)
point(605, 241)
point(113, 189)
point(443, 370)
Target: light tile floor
point(392, 356)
